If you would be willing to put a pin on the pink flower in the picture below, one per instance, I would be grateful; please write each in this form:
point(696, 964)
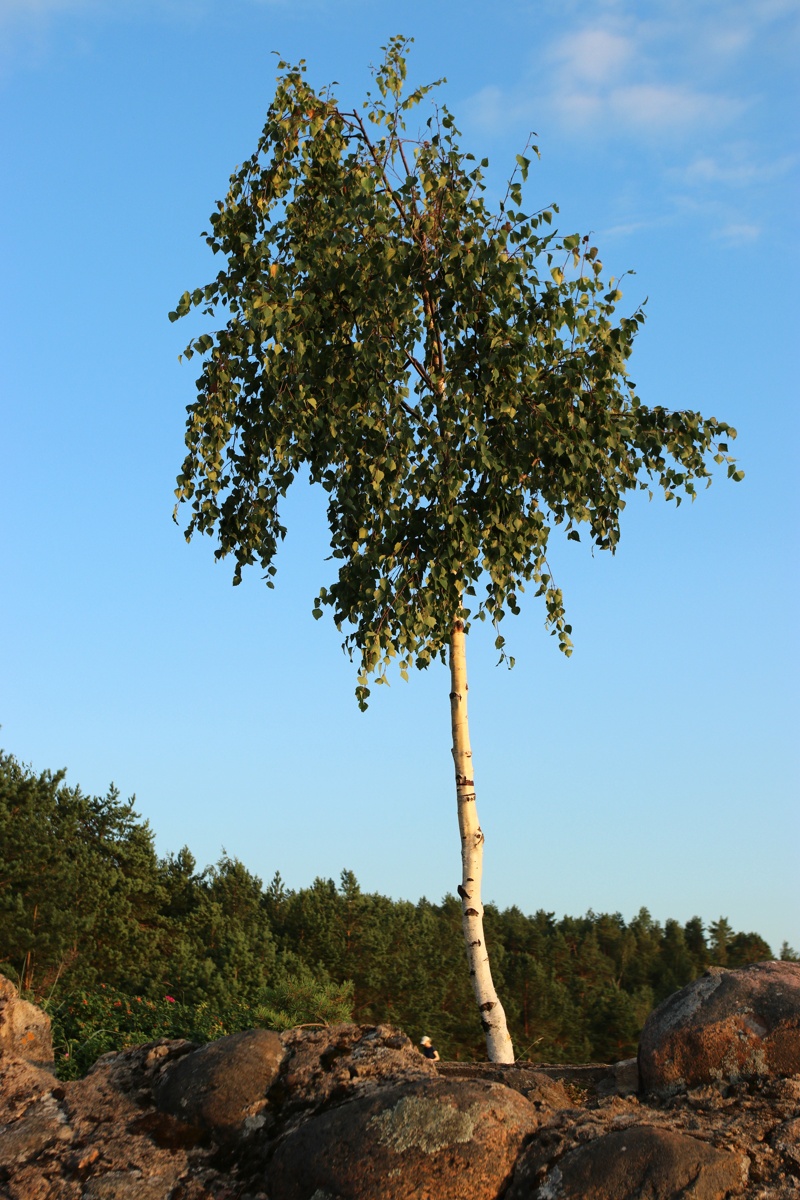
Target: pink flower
point(170, 999)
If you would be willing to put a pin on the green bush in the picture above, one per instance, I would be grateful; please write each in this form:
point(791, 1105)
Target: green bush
point(89, 1024)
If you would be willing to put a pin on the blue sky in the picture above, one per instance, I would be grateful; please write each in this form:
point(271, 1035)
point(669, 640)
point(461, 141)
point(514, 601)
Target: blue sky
point(659, 765)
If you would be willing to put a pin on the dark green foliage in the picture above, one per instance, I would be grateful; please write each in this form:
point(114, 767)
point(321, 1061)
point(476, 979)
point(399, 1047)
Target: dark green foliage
point(746, 948)
point(86, 1024)
point(75, 872)
point(123, 947)
point(219, 942)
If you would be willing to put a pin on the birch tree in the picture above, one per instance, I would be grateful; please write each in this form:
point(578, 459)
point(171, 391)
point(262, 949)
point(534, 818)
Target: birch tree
point(452, 374)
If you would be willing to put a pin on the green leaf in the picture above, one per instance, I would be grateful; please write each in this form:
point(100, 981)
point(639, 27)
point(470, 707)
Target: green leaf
point(457, 405)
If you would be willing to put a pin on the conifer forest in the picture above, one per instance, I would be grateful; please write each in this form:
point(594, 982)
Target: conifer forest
point(122, 946)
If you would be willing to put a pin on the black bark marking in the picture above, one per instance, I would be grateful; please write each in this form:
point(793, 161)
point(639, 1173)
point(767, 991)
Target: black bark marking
point(463, 893)
point(476, 943)
point(470, 912)
point(464, 781)
point(488, 1006)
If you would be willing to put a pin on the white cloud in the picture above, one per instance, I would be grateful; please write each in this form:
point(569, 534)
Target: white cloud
point(739, 233)
point(684, 88)
point(737, 170)
point(651, 110)
point(487, 108)
point(594, 55)
point(664, 106)
point(646, 78)
point(626, 229)
point(35, 13)
point(728, 41)
point(33, 31)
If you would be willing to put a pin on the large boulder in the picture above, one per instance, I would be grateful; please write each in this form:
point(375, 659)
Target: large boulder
point(641, 1162)
point(426, 1138)
point(724, 1026)
point(222, 1087)
point(24, 1028)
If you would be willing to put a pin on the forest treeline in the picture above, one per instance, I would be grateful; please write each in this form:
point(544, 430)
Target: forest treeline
point(95, 924)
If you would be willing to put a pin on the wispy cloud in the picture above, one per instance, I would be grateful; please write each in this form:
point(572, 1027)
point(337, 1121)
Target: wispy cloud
point(593, 55)
point(683, 87)
point(643, 109)
point(33, 11)
point(737, 170)
point(628, 75)
point(688, 70)
point(739, 233)
point(32, 31)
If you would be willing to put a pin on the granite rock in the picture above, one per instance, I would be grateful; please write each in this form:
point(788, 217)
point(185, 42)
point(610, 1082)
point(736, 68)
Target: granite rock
point(724, 1026)
point(426, 1138)
point(222, 1087)
point(641, 1162)
point(24, 1028)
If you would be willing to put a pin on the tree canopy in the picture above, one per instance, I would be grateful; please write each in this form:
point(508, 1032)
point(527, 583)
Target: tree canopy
point(454, 377)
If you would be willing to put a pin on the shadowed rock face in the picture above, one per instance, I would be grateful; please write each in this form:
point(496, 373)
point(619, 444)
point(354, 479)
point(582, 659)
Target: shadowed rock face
point(356, 1113)
point(222, 1087)
point(638, 1163)
point(722, 1027)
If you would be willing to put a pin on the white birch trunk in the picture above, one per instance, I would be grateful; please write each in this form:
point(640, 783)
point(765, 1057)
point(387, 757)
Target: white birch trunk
point(493, 1018)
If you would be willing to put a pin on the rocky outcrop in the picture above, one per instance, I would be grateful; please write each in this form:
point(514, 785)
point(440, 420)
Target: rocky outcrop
point(24, 1028)
point(357, 1113)
point(725, 1026)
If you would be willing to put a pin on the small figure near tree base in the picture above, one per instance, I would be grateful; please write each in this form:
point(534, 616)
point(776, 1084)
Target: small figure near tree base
point(428, 1048)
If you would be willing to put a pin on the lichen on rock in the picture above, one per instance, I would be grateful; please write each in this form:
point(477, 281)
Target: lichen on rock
point(420, 1123)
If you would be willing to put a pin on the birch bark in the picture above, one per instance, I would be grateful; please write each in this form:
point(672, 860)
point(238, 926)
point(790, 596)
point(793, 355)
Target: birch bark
point(493, 1017)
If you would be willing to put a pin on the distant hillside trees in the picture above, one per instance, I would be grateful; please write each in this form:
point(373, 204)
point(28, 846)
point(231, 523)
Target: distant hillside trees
point(91, 918)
